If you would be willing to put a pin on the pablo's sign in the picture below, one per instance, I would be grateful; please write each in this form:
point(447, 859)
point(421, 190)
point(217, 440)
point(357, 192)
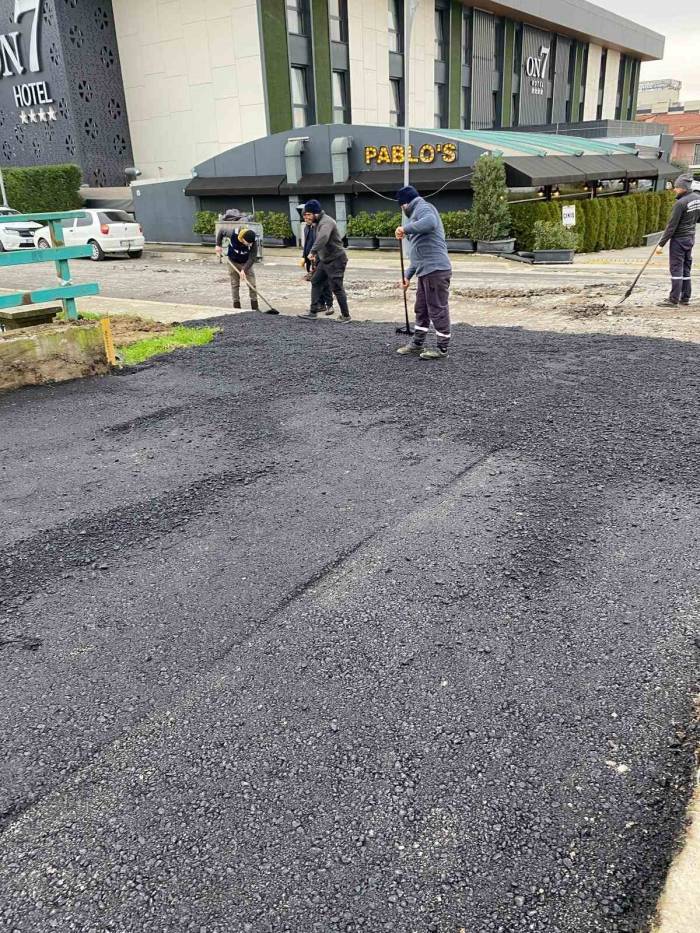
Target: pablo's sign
point(536, 70)
point(424, 155)
point(15, 62)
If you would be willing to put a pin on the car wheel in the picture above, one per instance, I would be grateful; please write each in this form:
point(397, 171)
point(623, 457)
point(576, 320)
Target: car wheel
point(97, 254)
point(137, 254)
point(44, 245)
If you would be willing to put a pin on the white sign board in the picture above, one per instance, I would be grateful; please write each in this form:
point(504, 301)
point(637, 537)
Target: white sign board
point(568, 215)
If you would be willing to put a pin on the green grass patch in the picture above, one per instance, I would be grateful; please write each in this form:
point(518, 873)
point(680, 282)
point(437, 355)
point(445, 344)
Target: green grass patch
point(82, 316)
point(163, 343)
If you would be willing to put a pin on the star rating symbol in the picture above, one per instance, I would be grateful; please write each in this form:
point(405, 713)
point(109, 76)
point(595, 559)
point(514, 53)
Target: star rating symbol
point(33, 117)
point(43, 116)
point(24, 118)
point(51, 113)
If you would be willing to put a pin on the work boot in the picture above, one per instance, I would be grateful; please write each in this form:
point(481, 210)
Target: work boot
point(410, 348)
point(254, 306)
point(344, 319)
point(309, 316)
point(237, 306)
point(330, 310)
point(667, 303)
point(685, 301)
point(433, 355)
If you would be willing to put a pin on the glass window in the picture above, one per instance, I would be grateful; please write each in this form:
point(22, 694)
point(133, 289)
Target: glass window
point(696, 155)
point(396, 112)
point(300, 97)
point(441, 38)
point(395, 43)
point(466, 37)
point(466, 107)
point(440, 106)
point(296, 20)
point(115, 217)
point(341, 110)
point(338, 14)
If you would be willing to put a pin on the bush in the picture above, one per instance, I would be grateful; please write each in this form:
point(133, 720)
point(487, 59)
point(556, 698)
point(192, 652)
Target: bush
point(549, 235)
point(44, 188)
point(362, 224)
point(275, 224)
point(204, 223)
point(667, 200)
point(490, 215)
point(386, 222)
point(457, 225)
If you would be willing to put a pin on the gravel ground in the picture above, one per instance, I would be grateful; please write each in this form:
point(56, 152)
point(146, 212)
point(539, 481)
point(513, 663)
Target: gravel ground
point(297, 635)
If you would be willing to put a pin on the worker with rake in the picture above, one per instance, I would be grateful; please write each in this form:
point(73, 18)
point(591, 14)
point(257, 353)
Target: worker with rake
point(430, 262)
point(241, 255)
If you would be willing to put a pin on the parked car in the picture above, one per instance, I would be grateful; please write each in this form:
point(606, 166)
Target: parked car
point(20, 236)
point(105, 231)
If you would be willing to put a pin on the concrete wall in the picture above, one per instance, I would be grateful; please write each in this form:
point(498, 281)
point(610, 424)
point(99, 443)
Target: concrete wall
point(166, 214)
point(590, 101)
point(53, 353)
point(193, 79)
point(368, 50)
point(422, 67)
point(612, 74)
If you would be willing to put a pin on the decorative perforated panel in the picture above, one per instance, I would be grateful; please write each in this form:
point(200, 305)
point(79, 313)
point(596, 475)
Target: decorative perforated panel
point(61, 93)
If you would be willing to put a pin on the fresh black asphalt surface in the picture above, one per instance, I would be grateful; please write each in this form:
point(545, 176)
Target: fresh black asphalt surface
point(298, 635)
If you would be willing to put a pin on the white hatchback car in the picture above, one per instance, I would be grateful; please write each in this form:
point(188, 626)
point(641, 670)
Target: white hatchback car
point(20, 236)
point(105, 231)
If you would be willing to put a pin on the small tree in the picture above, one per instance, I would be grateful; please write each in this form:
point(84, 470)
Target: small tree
point(490, 216)
point(204, 223)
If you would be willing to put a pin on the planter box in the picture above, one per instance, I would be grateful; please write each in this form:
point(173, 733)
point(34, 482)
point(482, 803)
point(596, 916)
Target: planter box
point(208, 239)
point(461, 246)
point(495, 247)
point(362, 242)
point(552, 255)
point(388, 242)
point(273, 241)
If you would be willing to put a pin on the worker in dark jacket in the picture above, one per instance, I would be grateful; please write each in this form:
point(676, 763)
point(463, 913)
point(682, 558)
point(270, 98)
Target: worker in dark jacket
point(241, 255)
point(680, 235)
point(330, 260)
point(308, 238)
point(430, 262)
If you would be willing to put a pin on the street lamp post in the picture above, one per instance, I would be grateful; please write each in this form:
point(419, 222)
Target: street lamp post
point(409, 15)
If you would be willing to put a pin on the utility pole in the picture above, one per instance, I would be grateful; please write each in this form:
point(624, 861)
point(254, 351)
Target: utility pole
point(410, 8)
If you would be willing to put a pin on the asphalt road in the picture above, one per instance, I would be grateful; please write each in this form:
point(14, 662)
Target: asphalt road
point(298, 635)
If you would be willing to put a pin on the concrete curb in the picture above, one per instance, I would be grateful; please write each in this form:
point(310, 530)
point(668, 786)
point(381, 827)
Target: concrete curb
point(679, 906)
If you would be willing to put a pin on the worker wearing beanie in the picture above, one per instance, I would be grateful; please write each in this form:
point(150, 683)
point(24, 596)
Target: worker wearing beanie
point(330, 260)
point(241, 254)
point(430, 262)
point(680, 234)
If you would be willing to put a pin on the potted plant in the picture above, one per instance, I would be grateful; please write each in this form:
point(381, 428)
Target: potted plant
point(457, 226)
point(361, 231)
point(490, 215)
point(553, 242)
point(205, 227)
point(386, 224)
point(277, 229)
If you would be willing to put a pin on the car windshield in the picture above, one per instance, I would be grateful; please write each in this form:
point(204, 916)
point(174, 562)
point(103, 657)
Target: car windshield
point(7, 211)
point(116, 217)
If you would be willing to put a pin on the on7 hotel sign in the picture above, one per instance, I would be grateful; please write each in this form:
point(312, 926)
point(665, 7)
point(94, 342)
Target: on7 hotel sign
point(12, 64)
point(536, 68)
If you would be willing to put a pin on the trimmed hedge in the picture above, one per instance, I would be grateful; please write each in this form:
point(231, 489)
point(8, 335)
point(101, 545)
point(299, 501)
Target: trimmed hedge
point(43, 188)
point(612, 222)
point(205, 223)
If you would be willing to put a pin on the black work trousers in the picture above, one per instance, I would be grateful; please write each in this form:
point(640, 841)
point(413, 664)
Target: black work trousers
point(680, 259)
point(329, 274)
point(327, 296)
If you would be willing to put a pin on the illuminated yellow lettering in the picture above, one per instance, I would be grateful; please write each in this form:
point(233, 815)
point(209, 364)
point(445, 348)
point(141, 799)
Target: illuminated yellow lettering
point(426, 154)
point(397, 155)
point(370, 154)
point(383, 157)
point(411, 158)
point(449, 152)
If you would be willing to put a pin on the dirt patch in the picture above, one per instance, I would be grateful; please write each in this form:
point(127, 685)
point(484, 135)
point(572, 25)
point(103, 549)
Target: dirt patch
point(127, 329)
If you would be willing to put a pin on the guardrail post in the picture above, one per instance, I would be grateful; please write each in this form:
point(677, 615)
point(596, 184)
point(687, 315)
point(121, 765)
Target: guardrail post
point(63, 269)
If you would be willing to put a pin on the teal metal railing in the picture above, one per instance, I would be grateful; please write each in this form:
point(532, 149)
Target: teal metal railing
point(65, 292)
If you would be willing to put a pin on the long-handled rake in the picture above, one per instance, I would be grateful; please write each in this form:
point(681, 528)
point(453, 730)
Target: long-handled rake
point(252, 287)
point(407, 329)
point(637, 277)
